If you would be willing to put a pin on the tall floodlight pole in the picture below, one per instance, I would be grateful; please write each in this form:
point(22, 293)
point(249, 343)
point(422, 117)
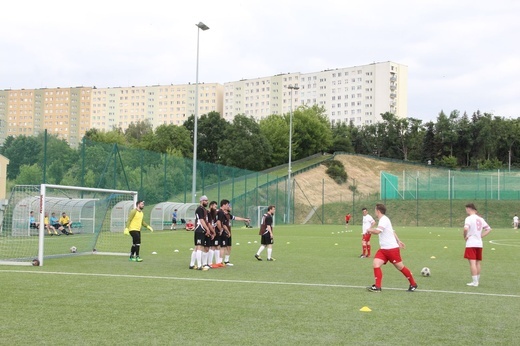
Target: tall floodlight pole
point(289, 181)
point(203, 27)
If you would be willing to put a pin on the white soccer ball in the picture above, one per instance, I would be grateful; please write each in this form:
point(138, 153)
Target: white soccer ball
point(425, 271)
point(73, 249)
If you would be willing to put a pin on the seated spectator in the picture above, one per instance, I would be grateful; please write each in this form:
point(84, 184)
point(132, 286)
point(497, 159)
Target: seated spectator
point(32, 221)
point(54, 222)
point(48, 226)
point(65, 223)
point(190, 226)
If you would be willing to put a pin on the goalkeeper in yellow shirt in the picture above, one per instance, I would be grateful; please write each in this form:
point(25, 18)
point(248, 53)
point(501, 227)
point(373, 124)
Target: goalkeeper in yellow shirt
point(133, 227)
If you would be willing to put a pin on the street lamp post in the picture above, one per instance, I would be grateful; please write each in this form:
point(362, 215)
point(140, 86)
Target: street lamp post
point(289, 181)
point(203, 27)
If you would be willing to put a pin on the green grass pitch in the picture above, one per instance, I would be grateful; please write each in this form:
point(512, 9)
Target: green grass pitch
point(312, 294)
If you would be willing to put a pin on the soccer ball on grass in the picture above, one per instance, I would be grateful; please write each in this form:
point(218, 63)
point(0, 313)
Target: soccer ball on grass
point(425, 271)
point(73, 249)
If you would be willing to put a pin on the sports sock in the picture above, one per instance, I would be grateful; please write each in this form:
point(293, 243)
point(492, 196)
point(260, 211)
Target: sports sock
point(269, 252)
point(378, 275)
point(364, 250)
point(193, 258)
point(368, 250)
point(199, 258)
point(137, 248)
point(408, 274)
point(132, 250)
point(260, 250)
point(204, 258)
point(210, 256)
point(475, 279)
point(226, 258)
point(218, 260)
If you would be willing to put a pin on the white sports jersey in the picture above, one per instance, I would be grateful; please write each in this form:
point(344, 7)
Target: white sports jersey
point(386, 237)
point(367, 222)
point(515, 219)
point(475, 224)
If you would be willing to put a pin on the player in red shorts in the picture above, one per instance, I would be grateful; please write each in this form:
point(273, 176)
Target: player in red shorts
point(368, 222)
point(389, 251)
point(347, 220)
point(475, 228)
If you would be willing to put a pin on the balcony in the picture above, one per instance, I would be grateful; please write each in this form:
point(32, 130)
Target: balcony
point(393, 95)
point(393, 87)
point(393, 78)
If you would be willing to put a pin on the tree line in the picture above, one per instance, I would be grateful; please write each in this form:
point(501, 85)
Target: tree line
point(478, 141)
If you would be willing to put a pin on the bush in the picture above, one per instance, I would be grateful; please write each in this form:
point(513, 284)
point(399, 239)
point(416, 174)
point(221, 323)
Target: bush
point(489, 164)
point(336, 171)
point(448, 162)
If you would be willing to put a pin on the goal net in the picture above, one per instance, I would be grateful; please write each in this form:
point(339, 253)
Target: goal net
point(255, 213)
point(31, 227)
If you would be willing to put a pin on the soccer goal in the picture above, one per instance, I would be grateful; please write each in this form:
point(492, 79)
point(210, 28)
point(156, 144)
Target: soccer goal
point(30, 228)
point(255, 213)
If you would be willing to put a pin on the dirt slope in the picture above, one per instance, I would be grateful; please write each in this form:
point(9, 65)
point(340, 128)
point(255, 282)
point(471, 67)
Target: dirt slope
point(362, 172)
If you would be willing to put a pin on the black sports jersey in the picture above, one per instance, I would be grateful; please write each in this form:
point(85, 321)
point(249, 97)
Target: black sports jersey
point(222, 217)
point(212, 218)
point(267, 220)
point(200, 214)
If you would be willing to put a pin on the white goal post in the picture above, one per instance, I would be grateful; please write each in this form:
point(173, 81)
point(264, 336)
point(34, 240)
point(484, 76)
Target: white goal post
point(256, 213)
point(30, 229)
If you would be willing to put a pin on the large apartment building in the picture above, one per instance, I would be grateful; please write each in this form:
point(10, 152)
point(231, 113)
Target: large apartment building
point(358, 94)
point(159, 104)
point(70, 112)
point(64, 112)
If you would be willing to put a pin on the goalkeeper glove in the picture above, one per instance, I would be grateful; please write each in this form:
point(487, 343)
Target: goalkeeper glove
point(126, 232)
point(150, 228)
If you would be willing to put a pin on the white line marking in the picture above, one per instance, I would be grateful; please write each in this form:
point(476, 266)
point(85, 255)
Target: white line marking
point(253, 282)
point(499, 242)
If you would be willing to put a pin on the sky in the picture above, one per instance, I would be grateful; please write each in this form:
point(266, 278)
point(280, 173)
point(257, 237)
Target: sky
point(461, 54)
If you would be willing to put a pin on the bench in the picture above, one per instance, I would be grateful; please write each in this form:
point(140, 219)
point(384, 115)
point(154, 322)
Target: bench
point(76, 225)
point(118, 224)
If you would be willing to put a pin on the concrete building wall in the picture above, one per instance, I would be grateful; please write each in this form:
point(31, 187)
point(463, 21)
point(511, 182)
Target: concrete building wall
point(64, 112)
point(357, 94)
point(158, 104)
point(3, 115)
point(3, 176)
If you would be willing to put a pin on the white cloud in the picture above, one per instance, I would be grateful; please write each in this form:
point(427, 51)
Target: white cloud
point(461, 54)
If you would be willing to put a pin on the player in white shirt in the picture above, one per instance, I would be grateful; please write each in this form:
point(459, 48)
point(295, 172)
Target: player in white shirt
point(389, 251)
point(368, 222)
point(515, 222)
point(475, 228)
